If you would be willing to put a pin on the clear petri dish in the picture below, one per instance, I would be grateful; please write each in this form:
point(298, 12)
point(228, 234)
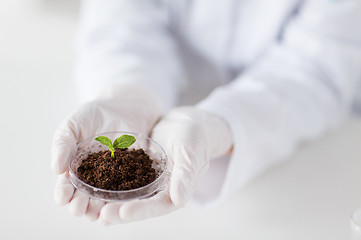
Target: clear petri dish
point(89, 145)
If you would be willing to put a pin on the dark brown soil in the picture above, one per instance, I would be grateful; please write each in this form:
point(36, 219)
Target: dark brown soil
point(129, 170)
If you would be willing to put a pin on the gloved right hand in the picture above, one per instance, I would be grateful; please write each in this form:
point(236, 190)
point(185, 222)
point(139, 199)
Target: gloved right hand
point(120, 108)
point(191, 137)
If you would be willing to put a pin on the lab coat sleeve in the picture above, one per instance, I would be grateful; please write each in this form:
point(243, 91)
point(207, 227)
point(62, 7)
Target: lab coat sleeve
point(300, 88)
point(127, 42)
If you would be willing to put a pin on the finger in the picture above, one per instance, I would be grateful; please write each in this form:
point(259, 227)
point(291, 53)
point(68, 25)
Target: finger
point(137, 210)
point(94, 207)
point(183, 177)
point(64, 190)
point(180, 165)
point(109, 214)
point(63, 143)
point(79, 204)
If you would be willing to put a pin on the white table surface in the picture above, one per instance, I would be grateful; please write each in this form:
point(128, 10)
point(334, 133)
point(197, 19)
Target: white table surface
point(310, 196)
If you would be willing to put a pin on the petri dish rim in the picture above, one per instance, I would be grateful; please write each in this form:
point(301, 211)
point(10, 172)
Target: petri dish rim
point(73, 176)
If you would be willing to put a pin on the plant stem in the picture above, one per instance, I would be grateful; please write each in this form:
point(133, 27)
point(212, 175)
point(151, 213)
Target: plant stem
point(112, 155)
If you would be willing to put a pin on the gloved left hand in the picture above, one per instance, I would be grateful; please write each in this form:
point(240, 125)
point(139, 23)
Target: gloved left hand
point(191, 138)
point(120, 108)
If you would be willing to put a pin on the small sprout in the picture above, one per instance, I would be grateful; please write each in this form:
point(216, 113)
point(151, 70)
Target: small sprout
point(123, 141)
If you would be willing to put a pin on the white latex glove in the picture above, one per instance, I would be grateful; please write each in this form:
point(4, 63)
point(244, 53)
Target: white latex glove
point(119, 108)
point(191, 138)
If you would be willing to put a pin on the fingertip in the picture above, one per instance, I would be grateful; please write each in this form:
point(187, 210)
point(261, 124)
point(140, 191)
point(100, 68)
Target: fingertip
point(110, 213)
point(64, 190)
point(129, 211)
point(94, 209)
point(137, 210)
point(79, 204)
point(60, 156)
point(58, 167)
point(180, 188)
point(63, 143)
point(178, 195)
point(63, 196)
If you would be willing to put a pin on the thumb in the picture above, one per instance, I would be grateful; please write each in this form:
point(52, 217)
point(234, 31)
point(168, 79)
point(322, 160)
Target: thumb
point(185, 176)
point(63, 142)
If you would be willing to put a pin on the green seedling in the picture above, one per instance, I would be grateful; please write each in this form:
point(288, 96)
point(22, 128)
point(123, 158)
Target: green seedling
point(123, 141)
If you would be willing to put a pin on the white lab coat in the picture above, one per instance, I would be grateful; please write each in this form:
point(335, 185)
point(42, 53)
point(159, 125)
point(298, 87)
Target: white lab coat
point(283, 71)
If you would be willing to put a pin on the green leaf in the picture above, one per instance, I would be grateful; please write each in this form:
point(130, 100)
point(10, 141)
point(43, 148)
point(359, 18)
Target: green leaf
point(105, 141)
point(124, 141)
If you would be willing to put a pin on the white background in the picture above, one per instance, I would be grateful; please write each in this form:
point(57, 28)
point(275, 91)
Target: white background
point(311, 195)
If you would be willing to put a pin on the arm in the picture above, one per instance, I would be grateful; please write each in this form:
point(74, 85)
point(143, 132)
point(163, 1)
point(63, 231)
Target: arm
point(302, 87)
point(127, 42)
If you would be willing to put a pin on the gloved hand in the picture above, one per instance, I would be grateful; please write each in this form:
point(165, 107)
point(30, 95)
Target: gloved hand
point(119, 108)
point(191, 138)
